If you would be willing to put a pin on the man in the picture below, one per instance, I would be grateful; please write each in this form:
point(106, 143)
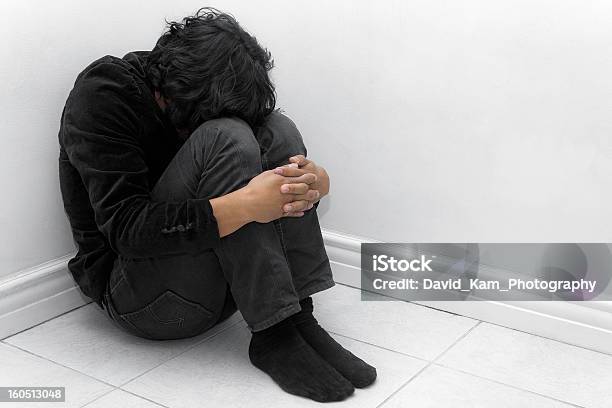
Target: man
point(189, 196)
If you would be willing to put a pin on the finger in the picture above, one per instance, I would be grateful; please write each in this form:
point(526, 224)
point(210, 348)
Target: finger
point(297, 188)
point(295, 214)
point(290, 171)
point(310, 195)
point(299, 159)
point(307, 178)
point(296, 206)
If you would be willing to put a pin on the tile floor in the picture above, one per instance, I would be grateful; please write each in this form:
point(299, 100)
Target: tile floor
point(424, 357)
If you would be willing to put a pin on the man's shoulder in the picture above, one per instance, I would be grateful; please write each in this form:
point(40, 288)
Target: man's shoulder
point(105, 73)
point(107, 86)
point(131, 66)
point(106, 59)
point(105, 98)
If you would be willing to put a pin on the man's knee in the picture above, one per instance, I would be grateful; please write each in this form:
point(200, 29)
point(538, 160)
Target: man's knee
point(227, 132)
point(226, 155)
point(228, 143)
point(220, 156)
point(280, 139)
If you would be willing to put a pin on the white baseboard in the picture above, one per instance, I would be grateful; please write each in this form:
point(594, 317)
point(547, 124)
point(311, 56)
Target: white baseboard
point(584, 324)
point(37, 294)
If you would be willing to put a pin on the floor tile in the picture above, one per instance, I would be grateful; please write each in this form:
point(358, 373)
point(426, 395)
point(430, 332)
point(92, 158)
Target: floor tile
point(217, 373)
point(558, 370)
point(88, 341)
point(21, 369)
point(119, 398)
point(405, 327)
point(441, 387)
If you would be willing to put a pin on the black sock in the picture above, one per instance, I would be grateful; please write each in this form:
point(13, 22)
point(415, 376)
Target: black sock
point(281, 353)
point(359, 373)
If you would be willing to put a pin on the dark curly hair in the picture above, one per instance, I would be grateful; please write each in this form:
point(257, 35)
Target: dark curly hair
point(207, 66)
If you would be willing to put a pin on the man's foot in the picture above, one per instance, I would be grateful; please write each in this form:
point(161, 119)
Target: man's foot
point(358, 372)
point(280, 352)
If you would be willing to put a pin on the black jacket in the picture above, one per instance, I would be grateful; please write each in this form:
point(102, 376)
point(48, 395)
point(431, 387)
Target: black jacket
point(115, 143)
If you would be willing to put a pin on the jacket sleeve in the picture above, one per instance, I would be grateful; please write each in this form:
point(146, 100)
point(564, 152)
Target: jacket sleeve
point(101, 132)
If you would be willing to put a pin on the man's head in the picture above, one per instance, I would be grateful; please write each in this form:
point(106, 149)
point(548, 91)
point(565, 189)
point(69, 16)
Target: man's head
point(207, 66)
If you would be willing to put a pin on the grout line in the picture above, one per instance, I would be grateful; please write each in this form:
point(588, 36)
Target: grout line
point(415, 375)
point(129, 392)
point(507, 385)
point(463, 336)
point(60, 364)
point(179, 354)
point(550, 339)
point(145, 398)
point(428, 365)
point(394, 299)
point(45, 321)
point(97, 398)
point(380, 347)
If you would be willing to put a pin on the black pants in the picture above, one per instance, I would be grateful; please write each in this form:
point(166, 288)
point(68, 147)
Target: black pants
point(261, 269)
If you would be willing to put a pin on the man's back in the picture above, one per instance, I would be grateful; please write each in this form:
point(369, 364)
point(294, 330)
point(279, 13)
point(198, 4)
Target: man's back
point(111, 109)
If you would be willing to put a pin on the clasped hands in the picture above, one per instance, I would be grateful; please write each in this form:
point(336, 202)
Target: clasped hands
point(304, 192)
point(286, 191)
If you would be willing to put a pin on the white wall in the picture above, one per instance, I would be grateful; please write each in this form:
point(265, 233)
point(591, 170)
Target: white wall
point(437, 120)
point(457, 121)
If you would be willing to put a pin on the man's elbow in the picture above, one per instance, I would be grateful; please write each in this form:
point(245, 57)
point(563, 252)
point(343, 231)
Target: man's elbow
point(128, 241)
point(124, 246)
